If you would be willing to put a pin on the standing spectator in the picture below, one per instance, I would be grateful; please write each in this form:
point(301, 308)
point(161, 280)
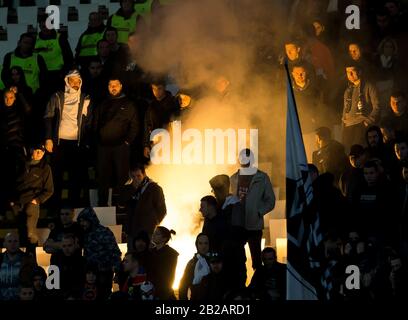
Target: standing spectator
point(86, 46)
point(72, 268)
point(257, 199)
point(94, 80)
point(376, 147)
point(124, 20)
point(16, 267)
point(16, 78)
point(65, 225)
point(12, 143)
point(33, 64)
point(361, 106)
point(196, 269)
point(330, 156)
point(33, 187)
point(117, 126)
point(353, 178)
point(269, 281)
point(160, 112)
point(398, 116)
point(57, 54)
point(371, 201)
point(66, 119)
point(162, 262)
point(100, 249)
point(146, 205)
point(403, 212)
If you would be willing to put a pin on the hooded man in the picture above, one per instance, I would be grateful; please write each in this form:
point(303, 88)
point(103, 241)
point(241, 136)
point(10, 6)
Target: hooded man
point(66, 118)
point(100, 248)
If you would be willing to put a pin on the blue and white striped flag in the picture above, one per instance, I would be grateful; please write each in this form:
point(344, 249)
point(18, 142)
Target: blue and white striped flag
point(303, 227)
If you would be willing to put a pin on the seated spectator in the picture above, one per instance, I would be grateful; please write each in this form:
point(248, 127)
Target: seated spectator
point(215, 285)
point(34, 187)
point(161, 263)
point(195, 269)
point(100, 249)
point(72, 268)
point(16, 268)
point(40, 291)
point(145, 203)
point(26, 292)
point(160, 112)
point(330, 156)
point(91, 290)
point(133, 266)
point(353, 177)
point(398, 116)
point(376, 147)
point(65, 225)
point(269, 281)
point(371, 201)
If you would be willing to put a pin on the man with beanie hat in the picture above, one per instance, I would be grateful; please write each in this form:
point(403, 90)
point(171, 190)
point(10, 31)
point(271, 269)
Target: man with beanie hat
point(116, 125)
point(33, 187)
point(66, 119)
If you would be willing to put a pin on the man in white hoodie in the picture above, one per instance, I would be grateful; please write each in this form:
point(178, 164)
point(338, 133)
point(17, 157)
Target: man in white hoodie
point(66, 121)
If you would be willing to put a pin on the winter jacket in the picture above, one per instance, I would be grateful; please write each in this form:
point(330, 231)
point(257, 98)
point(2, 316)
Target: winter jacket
point(72, 274)
point(214, 287)
point(116, 121)
point(269, 283)
point(11, 125)
point(34, 183)
point(53, 114)
point(100, 247)
point(186, 281)
point(146, 207)
point(367, 94)
point(27, 264)
point(161, 270)
point(159, 115)
point(260, 200)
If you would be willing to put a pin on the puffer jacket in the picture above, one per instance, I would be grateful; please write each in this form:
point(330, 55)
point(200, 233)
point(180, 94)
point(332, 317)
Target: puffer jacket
point(100, 247)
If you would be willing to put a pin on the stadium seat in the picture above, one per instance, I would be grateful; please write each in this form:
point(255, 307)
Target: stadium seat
point(117, 232)
point(14, 36)
point(113, 7)
point(85, 9)
point(3, 16)
point(277, 229)
point(27, 15)
point(106, 215)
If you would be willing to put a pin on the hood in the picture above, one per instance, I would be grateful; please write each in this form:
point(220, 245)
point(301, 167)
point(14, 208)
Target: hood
point(89, 214)
point(72, 73)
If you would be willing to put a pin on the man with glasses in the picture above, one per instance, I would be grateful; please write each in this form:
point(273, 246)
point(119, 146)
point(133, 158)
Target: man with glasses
point(65, 225)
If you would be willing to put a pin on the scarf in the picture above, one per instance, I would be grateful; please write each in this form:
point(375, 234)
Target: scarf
point(201, 269)
point(71, 96)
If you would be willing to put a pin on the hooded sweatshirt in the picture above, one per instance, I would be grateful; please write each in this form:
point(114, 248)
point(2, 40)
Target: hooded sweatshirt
point(100, 247)
point(68, 129)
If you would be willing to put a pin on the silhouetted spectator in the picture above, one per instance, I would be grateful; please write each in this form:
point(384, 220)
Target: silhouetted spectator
point(195, 270)
point(161, 263)
point(269, 281)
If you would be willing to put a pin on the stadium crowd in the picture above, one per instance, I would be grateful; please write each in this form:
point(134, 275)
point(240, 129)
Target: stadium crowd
point(63, 113)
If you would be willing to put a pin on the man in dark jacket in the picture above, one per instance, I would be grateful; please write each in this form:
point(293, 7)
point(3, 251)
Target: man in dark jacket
point(117, 125)
point(100, 249)
point(160, 112)
point(16, 268)
point(34, 187)
point(269, 281)
point(146, 206)
point(330, 157)
point(66, 119)
point(12, 143)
